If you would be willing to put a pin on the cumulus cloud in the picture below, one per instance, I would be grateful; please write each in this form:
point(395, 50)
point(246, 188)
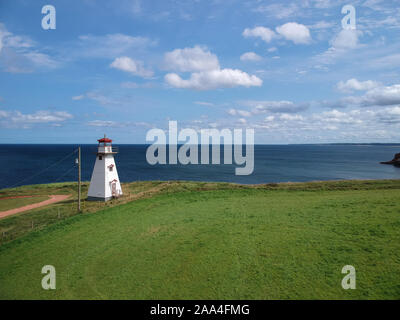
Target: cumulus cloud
point(191, 59)
point(292, 31)
point(219, 78)
point(206, 72)
point(382, 96)
point(346, 39)
point(298, 33)
point(250, 56)
point(265, 34)
point(131, 66)
point(389, 115)
point(355, 85)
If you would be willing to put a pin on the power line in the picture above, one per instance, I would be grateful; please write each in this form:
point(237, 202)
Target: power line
point(64, 174)
point(40, 172)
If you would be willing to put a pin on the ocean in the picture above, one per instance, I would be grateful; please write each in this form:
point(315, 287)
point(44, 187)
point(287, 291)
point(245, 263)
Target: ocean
point(46, 163)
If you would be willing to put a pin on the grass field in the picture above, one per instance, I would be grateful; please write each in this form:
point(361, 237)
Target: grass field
point(187, 240)
point(7, 204)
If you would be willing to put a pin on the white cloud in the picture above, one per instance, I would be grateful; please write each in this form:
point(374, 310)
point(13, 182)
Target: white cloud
point(290, 117)
point(103, 123)
point(206, 72)
point(376, 97)
point(3, 114)
point(18, 54)
point(354, 84)
point(237, 112)
point(250, 56)
point(298, 33)
point(265, 34)
point(341, 44)
point(203, 103)
point(41, 60)
point(279, 10)
point(335, 116)
point(110, 45)
point(132, 66)
point(321, 25)
point(80, 97)
point(41, 117)
point(382, 96)
point(98, 97)
point(26, 120)
point(3, 33)
point(191, 59)
point(220, 78)
point(115, 124)
point(269, 118)
point(101, 99)
point(389, 115)
point(346, 39)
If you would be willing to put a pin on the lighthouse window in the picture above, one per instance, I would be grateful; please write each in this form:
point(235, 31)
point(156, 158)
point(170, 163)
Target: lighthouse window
point(111, 168)
point(100, 157)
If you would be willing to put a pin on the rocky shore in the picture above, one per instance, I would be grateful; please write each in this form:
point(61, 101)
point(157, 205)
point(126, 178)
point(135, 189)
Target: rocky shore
point(395, 161)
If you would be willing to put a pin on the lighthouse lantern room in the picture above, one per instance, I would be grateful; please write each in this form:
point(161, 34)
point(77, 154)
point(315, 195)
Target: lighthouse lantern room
point(104, 184)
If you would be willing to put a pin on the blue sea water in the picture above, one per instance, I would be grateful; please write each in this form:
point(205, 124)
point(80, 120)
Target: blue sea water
point(32, 164)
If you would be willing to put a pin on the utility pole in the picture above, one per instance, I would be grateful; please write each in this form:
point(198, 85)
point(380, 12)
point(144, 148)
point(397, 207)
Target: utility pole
point(79, 179)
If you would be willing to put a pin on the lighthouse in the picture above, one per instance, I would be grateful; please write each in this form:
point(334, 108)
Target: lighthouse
point(104, 183)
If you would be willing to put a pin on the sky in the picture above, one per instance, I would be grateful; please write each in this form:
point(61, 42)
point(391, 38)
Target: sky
point(289, 70)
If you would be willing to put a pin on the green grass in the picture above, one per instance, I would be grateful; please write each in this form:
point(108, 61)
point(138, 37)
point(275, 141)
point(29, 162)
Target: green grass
point(192, 240)
point(7, 204)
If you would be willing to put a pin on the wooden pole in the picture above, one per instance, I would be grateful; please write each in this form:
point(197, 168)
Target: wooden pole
point(79, 179)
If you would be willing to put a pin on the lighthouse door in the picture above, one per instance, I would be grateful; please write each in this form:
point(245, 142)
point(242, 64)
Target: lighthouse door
point(114, 189)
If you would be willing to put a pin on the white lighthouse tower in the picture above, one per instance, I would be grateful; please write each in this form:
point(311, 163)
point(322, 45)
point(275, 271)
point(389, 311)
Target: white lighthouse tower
point(104, 184)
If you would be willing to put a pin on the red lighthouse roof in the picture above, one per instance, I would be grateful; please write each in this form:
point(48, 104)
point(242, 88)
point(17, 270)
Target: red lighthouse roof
point(104, 139)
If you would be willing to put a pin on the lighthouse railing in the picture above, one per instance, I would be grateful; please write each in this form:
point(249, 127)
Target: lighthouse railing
point(107, 149)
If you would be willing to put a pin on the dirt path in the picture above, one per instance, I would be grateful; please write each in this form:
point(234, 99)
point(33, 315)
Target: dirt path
point(53, 199)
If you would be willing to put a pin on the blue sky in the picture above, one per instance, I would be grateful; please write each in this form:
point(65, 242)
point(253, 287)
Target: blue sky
point(289, 70)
